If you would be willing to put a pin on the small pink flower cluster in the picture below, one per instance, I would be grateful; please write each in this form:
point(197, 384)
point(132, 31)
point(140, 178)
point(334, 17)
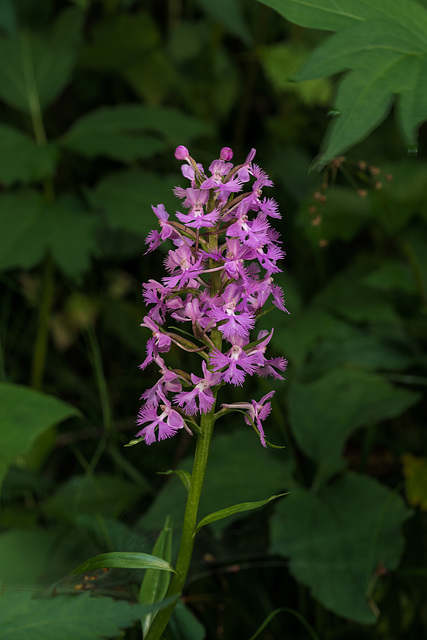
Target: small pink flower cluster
point(220, 276)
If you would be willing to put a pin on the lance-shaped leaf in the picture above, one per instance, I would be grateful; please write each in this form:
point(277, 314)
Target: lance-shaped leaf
point(36, 66)
point(124, 560)
point(237, 508)
point(155, 583)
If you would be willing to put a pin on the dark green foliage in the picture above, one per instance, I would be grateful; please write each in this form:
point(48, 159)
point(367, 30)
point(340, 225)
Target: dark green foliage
point(94, 97)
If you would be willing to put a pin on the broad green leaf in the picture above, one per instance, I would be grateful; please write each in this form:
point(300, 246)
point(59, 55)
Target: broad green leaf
point(355, 46)
point(33, 226)
point(336, 538)
point(22, 159)
point(415, 472)
point(239, 470)
point(332, 15)
point(102, 494)
point(124, 560)
point(126, 197)
point(65, 618)
point(19, 216)
point(24, 554)
point(237, 508)
point(8, 16)
point(384, 47)
point(36, 66)
point(116, 132)
point(24, 415)
point(155, 583)
point(230, 14)
point(325, 412)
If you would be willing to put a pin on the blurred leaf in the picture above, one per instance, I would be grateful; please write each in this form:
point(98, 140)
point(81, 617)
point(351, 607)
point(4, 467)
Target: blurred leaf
point(32, 226)
point(184, 625)
point(126, 198)
point(337, 538)
point(230, 15)
point(415, 472)
point(325, 412)
point(8, 16)
point(24, 415)
point(414, 245)
point(239, 470)
point(155, 583)
point(402, 197)
point(64, 618)
point(281, 61)
point(236, 508)
point(102, 494)
point(21, 159)
point(107, 534)
point(24, 555)
point(187, 40)
point(36, 66)
point(392, 276)
point(116, 132)
point(343, 215)
point(118, 41)
point(124, 560)
point(19, 214)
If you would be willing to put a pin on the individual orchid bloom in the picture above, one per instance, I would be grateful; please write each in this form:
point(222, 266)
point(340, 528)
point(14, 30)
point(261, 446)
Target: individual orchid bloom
point(182, 260)
point(197, 218)
point(164, 425)
point(256, 412)
point(232, 317)
point(168, 382)
point(202, 392)
point(234, 364)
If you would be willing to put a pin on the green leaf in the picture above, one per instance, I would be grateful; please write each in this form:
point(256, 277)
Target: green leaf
point(332, 16)
point(116, 132)
point(8, 16)
point(336, 538)
point(126, 197)
point(36, 66)
point(386, 50)
point(64, 618)
point(239, 470)
point(228, 13)
point(325, 412)
point(21, 159)
point(24, 554)
point(24, 415)
point(184, 476)
point(64, 227)
point(103, 494)
point(237, 508)
point(124, 560)
point(155, 584)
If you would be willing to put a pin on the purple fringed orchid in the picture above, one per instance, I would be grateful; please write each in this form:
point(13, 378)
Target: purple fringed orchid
point(219, 276)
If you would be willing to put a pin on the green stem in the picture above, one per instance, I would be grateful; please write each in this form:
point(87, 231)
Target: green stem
point(40, 346)
point(189, 526)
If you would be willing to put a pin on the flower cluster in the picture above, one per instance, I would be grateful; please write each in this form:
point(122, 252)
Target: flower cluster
point(219, 277)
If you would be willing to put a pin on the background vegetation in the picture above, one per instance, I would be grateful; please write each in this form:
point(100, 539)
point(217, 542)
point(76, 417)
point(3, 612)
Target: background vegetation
point(94, 97)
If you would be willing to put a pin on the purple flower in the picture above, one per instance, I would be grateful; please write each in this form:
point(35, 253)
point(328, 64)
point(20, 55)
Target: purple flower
point(165, 425)
point(220, 275)
point(256, 412)
point(202, 392)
